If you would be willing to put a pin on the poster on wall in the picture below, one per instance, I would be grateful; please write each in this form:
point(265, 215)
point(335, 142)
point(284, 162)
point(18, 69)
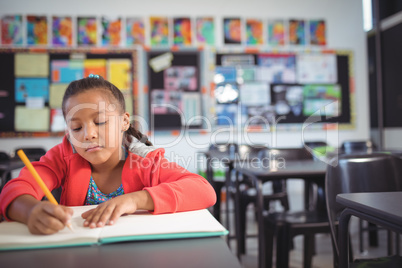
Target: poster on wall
point(37, 30)
point(317, 32)
point(182, 31)
point(254, 32)
point(87, 31)
point(95, 66)
point(276, 32)
point(317, 68)
point(159, 27)
point(166, 102)
point(62, 31)
point(205, 31)
point(226, 114)
point(182, 78)
point(287, 100)
point(65, 71)
point(111, 31)
point(32, 120)
point(31, 87)
point(135, 31)
point(224, 74)
point(277, 68)
point(297, 32)
point(323, 98)
point(11, 30)
point(232, 31)
point(119, 73)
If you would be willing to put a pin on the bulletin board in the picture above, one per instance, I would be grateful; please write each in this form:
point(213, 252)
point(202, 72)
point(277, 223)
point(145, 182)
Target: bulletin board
point(34, 81)
point(174, 93)
point(282, 89)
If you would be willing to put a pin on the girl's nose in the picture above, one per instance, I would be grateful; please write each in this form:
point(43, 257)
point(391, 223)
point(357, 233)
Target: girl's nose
point(91, 132)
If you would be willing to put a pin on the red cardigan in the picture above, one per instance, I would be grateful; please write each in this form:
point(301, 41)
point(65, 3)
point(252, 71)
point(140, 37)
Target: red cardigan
point(172, 187)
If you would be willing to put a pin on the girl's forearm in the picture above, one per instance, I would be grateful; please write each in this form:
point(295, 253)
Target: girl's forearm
point(21, 207)
point(143, 200)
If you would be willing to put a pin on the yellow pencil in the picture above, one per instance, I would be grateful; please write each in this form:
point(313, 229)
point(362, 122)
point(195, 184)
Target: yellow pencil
point(39, 180)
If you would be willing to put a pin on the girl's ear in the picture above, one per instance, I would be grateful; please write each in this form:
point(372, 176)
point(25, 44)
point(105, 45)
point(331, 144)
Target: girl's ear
point(126, 122)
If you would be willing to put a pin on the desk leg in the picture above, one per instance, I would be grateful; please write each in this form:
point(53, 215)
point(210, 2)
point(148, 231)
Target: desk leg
point(343, 238)
point(217, 207)
point(227, 186)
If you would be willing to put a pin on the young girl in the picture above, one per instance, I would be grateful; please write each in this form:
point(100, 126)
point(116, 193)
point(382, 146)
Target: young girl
point(102, 160)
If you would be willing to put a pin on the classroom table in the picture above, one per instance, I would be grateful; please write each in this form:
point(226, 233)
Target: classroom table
point(198, 252)
point(383, 209)
point(311, 171)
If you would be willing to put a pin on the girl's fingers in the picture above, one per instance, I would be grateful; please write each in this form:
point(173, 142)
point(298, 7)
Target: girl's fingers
point(88, 213)
point(115, 216)
point(48, 225)
point(58, 212)
point(105, 215)
point(93, 219)
point(52, 222)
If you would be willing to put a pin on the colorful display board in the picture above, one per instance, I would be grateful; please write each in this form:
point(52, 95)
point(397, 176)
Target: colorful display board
point(174, 84)
point(35, 81)
point(266, 89)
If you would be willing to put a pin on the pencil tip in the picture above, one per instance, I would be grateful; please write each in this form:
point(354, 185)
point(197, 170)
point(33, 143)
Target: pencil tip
point(70, 227)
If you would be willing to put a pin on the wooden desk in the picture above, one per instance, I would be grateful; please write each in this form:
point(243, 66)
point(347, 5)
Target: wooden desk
point(199, 252)
point(383, 209)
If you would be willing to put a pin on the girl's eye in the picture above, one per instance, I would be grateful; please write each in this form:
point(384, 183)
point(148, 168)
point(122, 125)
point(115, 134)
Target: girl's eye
point(76, 129)
point(100, 123)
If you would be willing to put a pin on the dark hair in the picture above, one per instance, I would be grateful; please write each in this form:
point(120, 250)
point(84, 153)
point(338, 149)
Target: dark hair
point(92, 83)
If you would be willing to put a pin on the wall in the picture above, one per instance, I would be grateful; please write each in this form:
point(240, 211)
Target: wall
point(344, 31)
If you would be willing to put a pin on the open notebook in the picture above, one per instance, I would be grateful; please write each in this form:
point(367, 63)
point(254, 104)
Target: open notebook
point(138, 226)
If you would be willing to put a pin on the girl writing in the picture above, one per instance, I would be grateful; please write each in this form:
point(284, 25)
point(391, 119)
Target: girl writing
point(102, 160)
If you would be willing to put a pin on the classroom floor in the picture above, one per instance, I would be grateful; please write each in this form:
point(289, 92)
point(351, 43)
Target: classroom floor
point(323, 257)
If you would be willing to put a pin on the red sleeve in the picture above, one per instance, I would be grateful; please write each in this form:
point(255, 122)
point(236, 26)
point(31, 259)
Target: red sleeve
point(174, 188)
point(51, 168)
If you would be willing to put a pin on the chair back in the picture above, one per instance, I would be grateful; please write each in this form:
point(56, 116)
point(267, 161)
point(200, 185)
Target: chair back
point(250, 152)
point(349, 147)
point(359, 173)
point(224, 148)
point(33, 153)
point(4, 157)
point(315, 144)
point(287, 154)
point(5, 176)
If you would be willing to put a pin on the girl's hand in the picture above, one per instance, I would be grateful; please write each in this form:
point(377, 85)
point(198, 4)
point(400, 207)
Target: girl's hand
point(109, 211)
point(47, 218)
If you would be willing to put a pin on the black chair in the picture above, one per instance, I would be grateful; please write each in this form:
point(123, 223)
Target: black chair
point(361, 173)
point(286, 225)
point(247, 194)
point(365, 146)
point(4, 157)
point(5, 176)
point(33, 153)
point(362, 147)
point(224, 150)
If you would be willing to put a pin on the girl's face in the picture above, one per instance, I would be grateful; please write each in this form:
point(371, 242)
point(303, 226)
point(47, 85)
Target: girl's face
point(96, 126)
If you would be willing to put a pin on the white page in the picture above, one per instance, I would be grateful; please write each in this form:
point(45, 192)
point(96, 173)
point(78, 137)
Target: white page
point(15, 234)
point(144, 223)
